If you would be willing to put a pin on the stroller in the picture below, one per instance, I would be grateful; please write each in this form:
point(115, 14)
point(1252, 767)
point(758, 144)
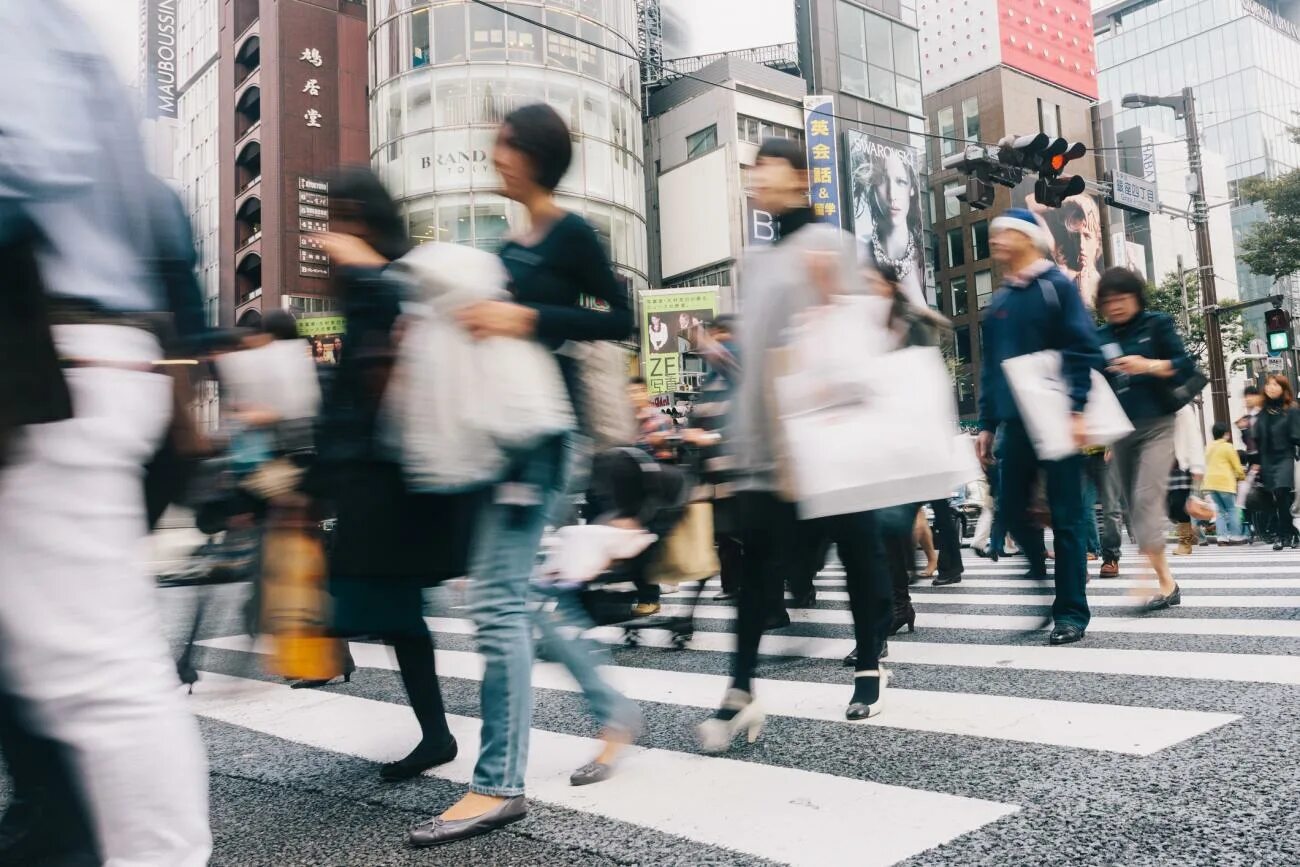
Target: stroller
point(629, 488)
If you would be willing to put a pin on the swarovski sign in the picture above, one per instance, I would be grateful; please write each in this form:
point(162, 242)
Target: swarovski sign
point(160, 58)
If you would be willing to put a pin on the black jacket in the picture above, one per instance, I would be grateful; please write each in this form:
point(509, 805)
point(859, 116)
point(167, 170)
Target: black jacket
point(1150, 335)
point(1278, 434)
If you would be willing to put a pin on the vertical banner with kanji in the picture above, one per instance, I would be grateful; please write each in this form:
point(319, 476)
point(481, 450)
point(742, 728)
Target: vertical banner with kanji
point(670, 326)
point(823, 158)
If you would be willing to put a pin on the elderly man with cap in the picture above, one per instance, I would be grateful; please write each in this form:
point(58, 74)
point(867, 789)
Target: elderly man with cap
point(1037, 308)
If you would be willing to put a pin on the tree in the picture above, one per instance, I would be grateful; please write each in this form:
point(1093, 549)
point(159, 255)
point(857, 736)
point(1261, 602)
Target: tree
point(1273, 245)
point(1167, 297)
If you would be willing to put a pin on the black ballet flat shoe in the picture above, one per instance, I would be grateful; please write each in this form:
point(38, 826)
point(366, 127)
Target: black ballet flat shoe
point(421, 759)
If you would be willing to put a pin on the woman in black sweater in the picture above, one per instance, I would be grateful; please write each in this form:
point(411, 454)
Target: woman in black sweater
point(1277, 432)
point(564, 290)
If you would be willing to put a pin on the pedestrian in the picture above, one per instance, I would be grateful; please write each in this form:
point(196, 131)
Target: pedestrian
point(705, 431)
point(1185, 477)
point(1223, 472)
point(553, 266)
point(82, 654)
point(1145, 360)
point(1038, 308)
point(389, 542)
point(1258, 514)
point(657, 436)
point(1277, 432)
point(1100, 490)
point(809, 262)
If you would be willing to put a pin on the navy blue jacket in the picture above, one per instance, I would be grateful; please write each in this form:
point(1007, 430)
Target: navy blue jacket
point(1026, 318)
point(1151, 335)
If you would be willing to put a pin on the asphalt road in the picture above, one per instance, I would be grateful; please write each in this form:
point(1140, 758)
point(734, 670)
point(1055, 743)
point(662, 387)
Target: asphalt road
point(1168, 739)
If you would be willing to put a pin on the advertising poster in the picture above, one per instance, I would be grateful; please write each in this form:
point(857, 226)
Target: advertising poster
point(823, 158)
point(325, 334)
point(1075, 228)
point(669, 324)
point(887, 216)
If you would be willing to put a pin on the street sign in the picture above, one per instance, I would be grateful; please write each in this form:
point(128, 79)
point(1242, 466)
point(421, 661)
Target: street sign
point(1133, 194)
point(1275, 364)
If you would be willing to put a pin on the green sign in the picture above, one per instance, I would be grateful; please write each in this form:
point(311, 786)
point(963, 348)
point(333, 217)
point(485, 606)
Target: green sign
point(318, 326)
point(669, 327)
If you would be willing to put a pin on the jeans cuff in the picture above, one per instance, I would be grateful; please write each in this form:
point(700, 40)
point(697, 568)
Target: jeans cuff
point(496, 791)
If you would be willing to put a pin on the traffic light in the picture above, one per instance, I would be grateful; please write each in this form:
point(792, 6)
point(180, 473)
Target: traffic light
point(1277, 323)
point(977, 167)
point(1026, 152)
point(1052, 189)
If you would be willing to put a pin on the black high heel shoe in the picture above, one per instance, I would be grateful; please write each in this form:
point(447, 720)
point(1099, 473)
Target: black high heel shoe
point(907, 619)
point(348, 667)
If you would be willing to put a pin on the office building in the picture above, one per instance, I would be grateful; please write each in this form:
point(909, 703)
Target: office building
point(1242, 60)
point(994, 68)
point(291, 108)
point(445, 74)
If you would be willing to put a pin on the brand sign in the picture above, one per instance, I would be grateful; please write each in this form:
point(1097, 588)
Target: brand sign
point(313, 185)
point(160, 58)
point(1271, 18)
point(670, 323)
point(1134, 194)
point(314, 212)
point(760, 225)
point(315, 326)
point(823, 158)
point(317, 271)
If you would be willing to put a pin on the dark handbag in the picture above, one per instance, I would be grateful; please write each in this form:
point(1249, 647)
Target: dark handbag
point(32, 386)
point(1260, 499)
point(1183, 391)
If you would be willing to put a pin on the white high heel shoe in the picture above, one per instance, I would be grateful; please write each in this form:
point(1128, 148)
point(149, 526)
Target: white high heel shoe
point(716, 735)
point(859, 710)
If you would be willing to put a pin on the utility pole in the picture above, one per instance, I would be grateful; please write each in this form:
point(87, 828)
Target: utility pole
point(1205, 259)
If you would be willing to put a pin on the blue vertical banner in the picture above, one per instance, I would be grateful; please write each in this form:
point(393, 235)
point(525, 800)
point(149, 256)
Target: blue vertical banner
point(823, 158)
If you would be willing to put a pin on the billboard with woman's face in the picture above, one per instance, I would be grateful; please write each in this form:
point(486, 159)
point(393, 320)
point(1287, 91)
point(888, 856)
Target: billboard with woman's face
point(887, 216)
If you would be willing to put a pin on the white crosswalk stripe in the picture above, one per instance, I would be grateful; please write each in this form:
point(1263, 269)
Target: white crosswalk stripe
point(951, 691)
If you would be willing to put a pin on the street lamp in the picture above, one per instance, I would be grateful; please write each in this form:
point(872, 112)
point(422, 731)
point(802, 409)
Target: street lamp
point(1184, 107)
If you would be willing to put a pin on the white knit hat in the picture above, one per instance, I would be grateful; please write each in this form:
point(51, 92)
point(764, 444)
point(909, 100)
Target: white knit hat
point(1023, 221)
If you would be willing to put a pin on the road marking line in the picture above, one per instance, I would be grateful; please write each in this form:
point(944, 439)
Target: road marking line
point(1131, 730)
point(742, 806)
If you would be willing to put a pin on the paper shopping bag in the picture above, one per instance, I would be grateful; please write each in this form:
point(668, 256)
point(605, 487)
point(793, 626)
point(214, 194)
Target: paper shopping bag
point(295, 603)
point(1043, 398)
point(688, 553)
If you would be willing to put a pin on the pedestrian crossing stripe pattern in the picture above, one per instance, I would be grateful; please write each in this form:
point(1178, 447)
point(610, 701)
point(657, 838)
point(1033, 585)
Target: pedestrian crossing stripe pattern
point(749, 806)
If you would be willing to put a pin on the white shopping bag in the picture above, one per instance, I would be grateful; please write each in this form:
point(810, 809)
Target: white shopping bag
point(882, 437)
point(1043, 398)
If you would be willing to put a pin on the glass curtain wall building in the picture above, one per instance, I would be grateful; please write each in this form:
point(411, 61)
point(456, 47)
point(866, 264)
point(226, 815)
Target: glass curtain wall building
point(444, 74)
point(1242, 59)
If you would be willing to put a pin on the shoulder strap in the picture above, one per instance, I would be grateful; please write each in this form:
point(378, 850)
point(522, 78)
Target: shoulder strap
point(1049, 294)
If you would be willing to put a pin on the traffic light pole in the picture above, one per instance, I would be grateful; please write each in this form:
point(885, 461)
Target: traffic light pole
point(1205, 260)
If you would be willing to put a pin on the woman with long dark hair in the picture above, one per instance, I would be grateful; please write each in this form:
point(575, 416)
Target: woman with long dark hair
point(553, 266)
point(1278, 434)
point(887, 193)
point(390, 543)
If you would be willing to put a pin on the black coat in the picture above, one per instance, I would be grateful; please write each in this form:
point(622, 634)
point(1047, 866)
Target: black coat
point(1278, 433)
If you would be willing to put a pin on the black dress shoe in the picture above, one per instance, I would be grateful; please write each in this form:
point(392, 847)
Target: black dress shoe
point(726, 596)
point(1160, 603)
point(851, 660)
point(1066, 634)
point(425, 756)
point(804, 600)
point(437, 830)
point(777, 621)
point(945, 580)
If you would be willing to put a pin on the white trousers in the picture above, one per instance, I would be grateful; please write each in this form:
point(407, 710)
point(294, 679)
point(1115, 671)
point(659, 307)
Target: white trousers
point(81, 645)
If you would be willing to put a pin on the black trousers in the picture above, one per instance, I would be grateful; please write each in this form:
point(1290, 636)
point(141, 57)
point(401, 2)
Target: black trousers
point(729, 556)
point(947, 539)
point(770, 537)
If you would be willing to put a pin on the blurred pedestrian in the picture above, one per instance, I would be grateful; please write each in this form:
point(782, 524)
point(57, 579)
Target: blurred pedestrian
point(1100, 490)
point(1145, 359)
point(1223, 473)
point(810, 262)
point(1277, 432)
point(81, 648)
point(1038, 308)
point(1185, 479)
point(553, 266)
point(389, 542)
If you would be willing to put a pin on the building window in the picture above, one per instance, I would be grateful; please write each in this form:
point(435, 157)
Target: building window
point(1049, 118)
point(956, 248)
point(979, 235)
point(448, 34)
point(420, 38)
point(755, 131)
point(962, 344)
point(983, 289)
point(960, 297)
point(951, 205)
point(880, 59)
point(487, 33)
point(970, 118)
point(702, 142)
point(523, 38)
point(948, 131)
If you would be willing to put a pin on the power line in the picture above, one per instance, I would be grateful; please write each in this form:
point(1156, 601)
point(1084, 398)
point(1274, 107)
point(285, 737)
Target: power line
point(665, 68)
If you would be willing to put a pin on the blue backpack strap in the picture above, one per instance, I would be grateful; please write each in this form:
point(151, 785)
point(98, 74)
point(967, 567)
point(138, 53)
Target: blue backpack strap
point(1049, 294)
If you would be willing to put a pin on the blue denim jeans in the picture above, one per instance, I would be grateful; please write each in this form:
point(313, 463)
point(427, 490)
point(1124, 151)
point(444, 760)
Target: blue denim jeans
point(1229, 516)
point(583, 659)
point(505, 553)
point(1020, 466)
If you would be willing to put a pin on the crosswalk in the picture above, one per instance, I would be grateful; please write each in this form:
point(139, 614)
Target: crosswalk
point(980, 712)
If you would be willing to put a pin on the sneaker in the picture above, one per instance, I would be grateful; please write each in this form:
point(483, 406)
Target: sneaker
point(1110, 569)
